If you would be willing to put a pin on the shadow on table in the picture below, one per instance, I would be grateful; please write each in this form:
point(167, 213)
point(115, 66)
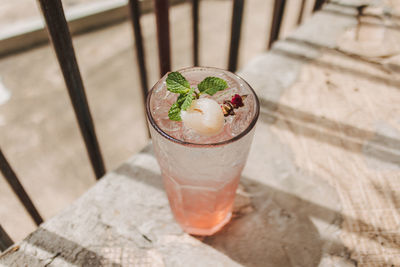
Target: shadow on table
point(275, 229)
point(270, 227)
point(279, 229)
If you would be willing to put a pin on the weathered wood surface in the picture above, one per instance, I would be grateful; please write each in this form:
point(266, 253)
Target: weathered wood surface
point(321, 185)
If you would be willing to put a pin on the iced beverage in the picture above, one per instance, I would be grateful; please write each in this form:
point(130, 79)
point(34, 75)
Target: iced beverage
point(201, 171)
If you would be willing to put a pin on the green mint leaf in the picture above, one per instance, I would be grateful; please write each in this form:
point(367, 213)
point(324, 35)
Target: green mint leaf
point(181, 99)
point(176, 83)
point(188, 100)
point(211, 85)
point(174, 112)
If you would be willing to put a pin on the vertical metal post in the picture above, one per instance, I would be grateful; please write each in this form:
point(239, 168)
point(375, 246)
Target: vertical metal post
point(195, 25)
point(134, 11)
point(5, 240)
point(61, 39)
point(301, 11)
point(318, 5)
point(18, 189)
point(137, 31)
point(237, 17)
point(162, 19)
point(279, 8)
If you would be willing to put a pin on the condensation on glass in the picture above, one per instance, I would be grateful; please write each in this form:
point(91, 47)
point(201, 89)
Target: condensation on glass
point(201, 178)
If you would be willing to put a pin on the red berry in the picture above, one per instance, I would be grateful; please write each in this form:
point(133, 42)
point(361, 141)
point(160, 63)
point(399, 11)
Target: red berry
point(237, 101)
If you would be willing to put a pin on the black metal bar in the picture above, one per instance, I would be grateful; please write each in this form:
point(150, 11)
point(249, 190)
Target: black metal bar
point(300, 18)
point(61, 39)
point(134, 11)
point(5, 240)
point(279, 8)
point(237, 16)
point(195, 25)
point(318, 5)
point(18, 189)
point(162, 19)
point(137, 31)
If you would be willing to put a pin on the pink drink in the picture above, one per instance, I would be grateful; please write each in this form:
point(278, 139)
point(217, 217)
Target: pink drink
point(201, 173)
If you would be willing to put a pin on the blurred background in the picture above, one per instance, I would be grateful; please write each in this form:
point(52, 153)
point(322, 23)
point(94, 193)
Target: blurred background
point(38, 130)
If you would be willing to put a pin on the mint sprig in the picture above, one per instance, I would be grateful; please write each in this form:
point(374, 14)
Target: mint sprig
point(188, 99)
point(184, 101)
point(174, 112)
point(176, 83)
point(211, 85)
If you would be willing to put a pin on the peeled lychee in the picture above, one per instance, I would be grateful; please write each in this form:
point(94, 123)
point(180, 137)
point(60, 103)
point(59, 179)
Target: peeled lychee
point(204, 116)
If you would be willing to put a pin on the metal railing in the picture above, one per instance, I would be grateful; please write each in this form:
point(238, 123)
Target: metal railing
point(60, 37)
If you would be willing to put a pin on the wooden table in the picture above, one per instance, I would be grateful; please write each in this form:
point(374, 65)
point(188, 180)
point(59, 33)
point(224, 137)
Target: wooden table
point(321, 187)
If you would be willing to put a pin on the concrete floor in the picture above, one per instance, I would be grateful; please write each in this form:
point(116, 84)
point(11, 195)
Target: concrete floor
point(38, 131)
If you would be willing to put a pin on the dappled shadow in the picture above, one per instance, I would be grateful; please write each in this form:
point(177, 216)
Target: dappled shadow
point(365, 23)
point(276, 231)
point(388, 195)
point(383, 68)
point(332, 132)
point(279, 231)
point(269, 227)
point(355, 7)
point(277, 226)
point(358, 12)
point(328, 65)
point(337, 51)
point(253, 233)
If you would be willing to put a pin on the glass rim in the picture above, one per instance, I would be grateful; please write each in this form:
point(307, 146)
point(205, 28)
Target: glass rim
point(185, 143)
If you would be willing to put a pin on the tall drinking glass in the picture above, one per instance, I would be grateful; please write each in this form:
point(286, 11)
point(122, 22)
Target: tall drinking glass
point(200, 173)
